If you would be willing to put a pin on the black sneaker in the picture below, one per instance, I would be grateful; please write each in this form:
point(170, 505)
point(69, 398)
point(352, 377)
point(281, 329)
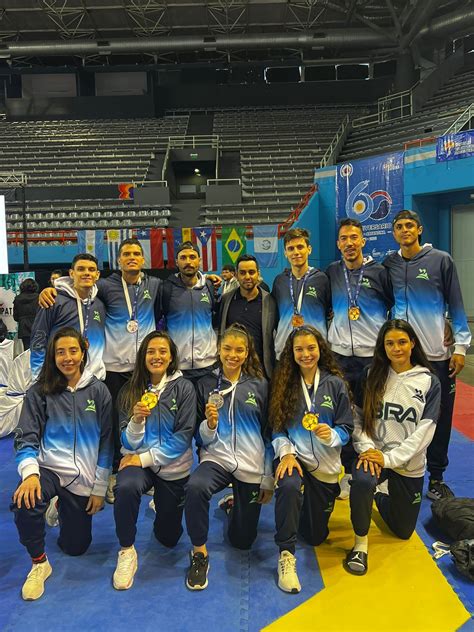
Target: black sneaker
point(438, 489)
point(196, 578)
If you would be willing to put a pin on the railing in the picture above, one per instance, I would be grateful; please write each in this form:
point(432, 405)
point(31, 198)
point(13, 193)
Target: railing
point(461, 121)
point(223, 180)
point(332, 152)
point(163, 183)
point(390, 108)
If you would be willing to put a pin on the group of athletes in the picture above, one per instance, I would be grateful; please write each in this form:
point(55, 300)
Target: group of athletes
point(351, 367)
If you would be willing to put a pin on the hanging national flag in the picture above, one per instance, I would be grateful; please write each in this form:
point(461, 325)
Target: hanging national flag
point(187, 235)
point(174, 239)
point(92, 242)
point(151, 240)
point(265, 245)
point(234, 242)
point(114, 239)
point(205, 239)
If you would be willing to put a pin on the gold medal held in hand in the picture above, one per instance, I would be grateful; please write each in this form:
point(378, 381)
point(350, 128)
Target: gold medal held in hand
point(297, 320)
point(310, 421)
point(149, 399)
point(354, 312)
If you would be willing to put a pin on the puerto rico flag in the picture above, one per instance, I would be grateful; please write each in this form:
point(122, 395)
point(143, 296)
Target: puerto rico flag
point(206, 242)
point(151, 240)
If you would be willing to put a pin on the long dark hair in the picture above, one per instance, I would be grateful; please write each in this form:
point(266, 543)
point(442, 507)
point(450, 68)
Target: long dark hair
point(375, 387)
point(138, 384)
point(252, 365)
point(50, 379)
point(286, 389)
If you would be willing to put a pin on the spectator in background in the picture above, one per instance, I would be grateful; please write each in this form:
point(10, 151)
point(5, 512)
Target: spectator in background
point(230, 282)
point(25, 305)
point(55, 274)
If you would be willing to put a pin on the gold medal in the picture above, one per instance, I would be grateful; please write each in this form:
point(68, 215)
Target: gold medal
point(310, 421)
point(297, 320)
point(354, 312)
point(149, 399)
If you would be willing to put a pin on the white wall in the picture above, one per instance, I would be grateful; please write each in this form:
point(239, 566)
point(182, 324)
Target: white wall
point(462, 249)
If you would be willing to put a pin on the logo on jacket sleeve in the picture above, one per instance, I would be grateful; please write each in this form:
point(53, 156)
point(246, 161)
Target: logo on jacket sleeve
point(251, 399)
point(90, 406)
point(204, 298)
point(311, 291)
point(423, 274)
point(146, 295)
point(419, 395)
point(97, 316)
point(327, 402)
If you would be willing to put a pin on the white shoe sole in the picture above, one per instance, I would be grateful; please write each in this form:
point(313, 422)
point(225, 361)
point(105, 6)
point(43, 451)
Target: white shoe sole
point(292, 591)
point(199, 587)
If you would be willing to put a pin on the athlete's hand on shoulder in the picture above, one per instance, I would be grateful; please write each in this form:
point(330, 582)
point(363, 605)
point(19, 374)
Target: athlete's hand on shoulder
point(94, 504)
point(323, 431)
point(265, 496)
point(212, 416)
point(215, 280)
point(129, 460)
point(28, 491)
point(47, 297)
point(287, 464)
point(456, 364)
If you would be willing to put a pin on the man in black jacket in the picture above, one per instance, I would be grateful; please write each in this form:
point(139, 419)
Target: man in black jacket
point(254, 307)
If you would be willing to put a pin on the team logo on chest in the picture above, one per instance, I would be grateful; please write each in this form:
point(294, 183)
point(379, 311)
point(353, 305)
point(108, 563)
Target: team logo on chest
point(90, 406)
point(204, 298)
point(422, 274)
point(311, 291)
point(251, 399)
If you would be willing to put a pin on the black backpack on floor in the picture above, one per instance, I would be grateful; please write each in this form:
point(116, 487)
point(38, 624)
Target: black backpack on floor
point(455, 516)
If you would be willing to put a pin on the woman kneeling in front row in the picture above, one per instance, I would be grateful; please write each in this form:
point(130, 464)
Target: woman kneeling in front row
point(395, 423)
point(311, 415)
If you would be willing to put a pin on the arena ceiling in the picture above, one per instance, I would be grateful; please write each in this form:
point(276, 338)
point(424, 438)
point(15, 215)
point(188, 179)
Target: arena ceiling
point(84, 32)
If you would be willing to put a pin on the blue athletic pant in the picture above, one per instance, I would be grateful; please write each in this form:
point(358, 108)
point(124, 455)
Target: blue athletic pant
point(132, 483)
point(208, 479)
point(75, 525)
point(352, 368)
point(399, 509)
point(437, 453)
point(303, 506)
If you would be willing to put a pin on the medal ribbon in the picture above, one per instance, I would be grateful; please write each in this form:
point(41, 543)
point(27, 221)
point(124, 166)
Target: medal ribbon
point(160, 387)
point(132, 309)
point(297, 304)
point(83, 326)
point(353, 299)
point(229, 389)
point(310, 401)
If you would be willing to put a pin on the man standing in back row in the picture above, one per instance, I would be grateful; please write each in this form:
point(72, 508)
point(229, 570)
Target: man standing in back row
point(302, 293)
point(426, 286)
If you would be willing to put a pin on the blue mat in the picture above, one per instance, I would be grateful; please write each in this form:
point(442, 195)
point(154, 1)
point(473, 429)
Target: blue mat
point(242, 593)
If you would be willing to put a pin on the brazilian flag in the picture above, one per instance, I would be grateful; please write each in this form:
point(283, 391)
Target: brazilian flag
point(234, 243)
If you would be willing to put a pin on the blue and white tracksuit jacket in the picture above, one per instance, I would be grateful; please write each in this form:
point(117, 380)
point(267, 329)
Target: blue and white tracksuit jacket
point(64, 313)
point(121, 346)
point(322, 459)
point(357, 337)
point(163, 442)
point(70, 434)
point(241, 442)
point(314, 307)
point(189, 314)
point(424, 288)
point(406, 420)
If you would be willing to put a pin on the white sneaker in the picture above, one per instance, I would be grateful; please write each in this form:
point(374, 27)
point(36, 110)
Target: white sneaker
point(151, 504)
point(33, 587)
point(287, 577)
point(127, 565)
point(383, 487)
point(345, 487)
point(226, 503)
point(109, 494)
point(52, 516)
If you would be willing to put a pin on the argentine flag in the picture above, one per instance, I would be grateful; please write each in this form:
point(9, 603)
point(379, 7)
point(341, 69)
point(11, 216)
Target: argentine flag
point(265, 245)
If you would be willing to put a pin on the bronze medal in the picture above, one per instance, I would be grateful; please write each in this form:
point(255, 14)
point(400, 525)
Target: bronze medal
point(297, 320)
point(310, 421)
point(354, 312)
point(149, 399)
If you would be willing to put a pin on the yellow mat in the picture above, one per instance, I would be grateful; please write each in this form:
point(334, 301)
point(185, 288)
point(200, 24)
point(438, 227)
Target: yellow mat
point(403, 590)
